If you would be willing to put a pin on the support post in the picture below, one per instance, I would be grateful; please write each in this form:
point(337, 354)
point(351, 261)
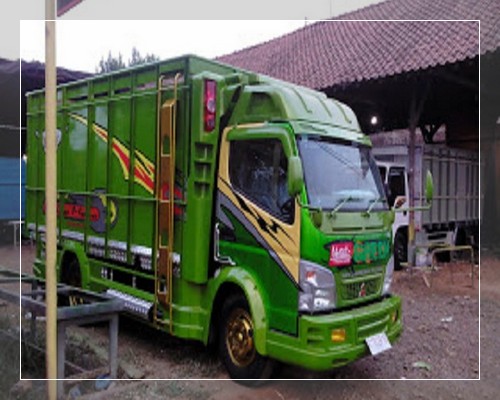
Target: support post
point(113, 346)
point(416, 108)
point(61, 359)
point(496, 182)
point(411, 191)
point(50, 197)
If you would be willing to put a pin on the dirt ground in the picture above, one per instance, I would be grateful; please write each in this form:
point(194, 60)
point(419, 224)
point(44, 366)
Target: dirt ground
point(440, 341)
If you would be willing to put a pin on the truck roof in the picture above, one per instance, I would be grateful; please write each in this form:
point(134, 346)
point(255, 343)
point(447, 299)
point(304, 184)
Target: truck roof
point(309, 111)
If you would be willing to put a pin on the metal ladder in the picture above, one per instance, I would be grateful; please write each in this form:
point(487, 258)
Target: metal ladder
point(165, 185)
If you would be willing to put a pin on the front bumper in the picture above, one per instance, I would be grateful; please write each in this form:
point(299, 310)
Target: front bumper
point(313, 348)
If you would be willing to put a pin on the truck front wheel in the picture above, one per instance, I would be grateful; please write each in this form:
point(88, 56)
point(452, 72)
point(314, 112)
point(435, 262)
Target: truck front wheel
point(237, 345)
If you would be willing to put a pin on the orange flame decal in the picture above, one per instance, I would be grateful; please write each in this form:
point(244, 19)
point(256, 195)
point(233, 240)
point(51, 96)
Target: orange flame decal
point(144, 170)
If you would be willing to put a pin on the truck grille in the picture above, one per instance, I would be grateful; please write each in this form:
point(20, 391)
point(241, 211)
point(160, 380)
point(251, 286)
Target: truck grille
point(361, 288)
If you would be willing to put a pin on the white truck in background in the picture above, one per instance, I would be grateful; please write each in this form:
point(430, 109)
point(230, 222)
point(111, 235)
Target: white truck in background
point(453, 218)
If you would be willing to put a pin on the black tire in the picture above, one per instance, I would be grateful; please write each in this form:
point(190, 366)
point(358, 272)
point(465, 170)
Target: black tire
point(400, 250)
point(236, 344)
point(71, 275)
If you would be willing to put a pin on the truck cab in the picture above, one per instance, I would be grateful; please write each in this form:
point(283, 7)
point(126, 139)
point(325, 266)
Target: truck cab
point(301, 198)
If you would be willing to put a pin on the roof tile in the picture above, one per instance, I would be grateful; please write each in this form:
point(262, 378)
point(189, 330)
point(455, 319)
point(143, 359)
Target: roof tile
point(351, 48)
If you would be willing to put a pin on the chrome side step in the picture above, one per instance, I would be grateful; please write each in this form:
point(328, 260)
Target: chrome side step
point(132, 304)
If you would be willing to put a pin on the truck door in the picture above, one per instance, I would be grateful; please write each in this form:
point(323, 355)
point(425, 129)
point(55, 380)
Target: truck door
point(397, 198)
point(259, 221)
point(396, 182)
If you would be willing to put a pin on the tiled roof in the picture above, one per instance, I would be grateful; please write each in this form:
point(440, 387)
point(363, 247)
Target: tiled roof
point(487, 11)
point(331, 53)
point(34, 71)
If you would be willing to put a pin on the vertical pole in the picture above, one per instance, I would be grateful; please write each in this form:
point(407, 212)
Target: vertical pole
point(412, 126)
point(411, 192)
point(113, 346)
point(496, 182)
point(50, 197)
point(61, 358)
point(417, 103)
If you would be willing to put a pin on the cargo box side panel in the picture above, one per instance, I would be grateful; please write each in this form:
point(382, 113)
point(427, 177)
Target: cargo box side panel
point(464, 181)
point(35, 184)
point(107, 150)
point(72, 172)
point(107, 165)
point(143, 209)
point(456, 185)
point(72, 152)
point(444, 202)
point(32, 170)
point(122, 178)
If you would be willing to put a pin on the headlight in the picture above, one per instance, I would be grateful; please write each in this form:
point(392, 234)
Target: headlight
point(317, 287)
point(389, 270)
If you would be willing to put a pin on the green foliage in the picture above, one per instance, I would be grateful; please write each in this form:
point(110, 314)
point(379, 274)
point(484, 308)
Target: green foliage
point(137, 59)
point(110, 64)
point(114, 63)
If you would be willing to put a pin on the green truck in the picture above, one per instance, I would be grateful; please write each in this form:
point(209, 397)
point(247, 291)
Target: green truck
point(221, 206)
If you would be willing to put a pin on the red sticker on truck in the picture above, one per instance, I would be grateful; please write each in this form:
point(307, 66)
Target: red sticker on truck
point(73, 209)
point(341, 254)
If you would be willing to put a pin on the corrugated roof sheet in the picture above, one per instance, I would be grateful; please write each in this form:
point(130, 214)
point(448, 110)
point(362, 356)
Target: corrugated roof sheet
point(330, 53)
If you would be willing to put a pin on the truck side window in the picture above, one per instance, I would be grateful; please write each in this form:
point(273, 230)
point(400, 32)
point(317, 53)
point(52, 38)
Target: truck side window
point(258, 170)
point(396, 183)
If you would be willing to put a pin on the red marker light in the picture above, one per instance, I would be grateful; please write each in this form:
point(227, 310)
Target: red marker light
point(210, 105)
point(341, 254)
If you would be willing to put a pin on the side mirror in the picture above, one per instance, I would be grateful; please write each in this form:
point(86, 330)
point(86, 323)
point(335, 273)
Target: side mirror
point(295, 176)
point(429, 187)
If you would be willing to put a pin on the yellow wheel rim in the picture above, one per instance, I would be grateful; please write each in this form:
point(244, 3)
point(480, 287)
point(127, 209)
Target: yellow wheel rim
point(239, 338)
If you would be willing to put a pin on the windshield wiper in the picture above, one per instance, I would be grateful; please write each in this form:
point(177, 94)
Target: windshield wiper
point(340, 205)
point(373, 203)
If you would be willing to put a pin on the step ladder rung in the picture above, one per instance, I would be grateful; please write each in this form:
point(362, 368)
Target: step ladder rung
point(165, 167)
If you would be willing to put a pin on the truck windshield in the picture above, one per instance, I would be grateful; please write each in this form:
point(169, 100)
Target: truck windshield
point(340, 175)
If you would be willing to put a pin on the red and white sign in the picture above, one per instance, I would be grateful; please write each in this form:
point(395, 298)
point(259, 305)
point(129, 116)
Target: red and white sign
point(341, 254)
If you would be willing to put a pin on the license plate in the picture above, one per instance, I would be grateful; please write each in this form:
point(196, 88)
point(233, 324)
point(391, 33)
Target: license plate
point(378, 343)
